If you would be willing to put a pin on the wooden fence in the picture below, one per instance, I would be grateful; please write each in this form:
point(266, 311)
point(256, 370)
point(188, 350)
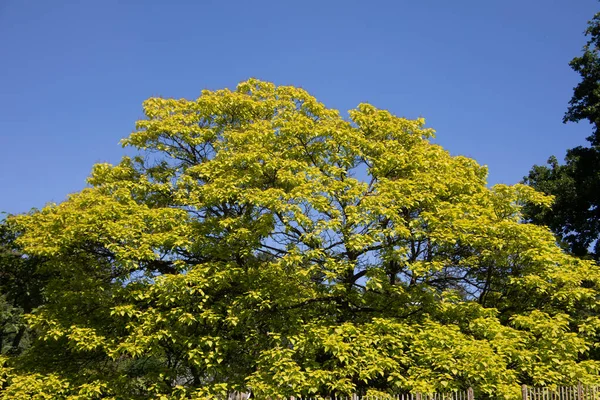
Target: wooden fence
point(578, 392)
point(463, 395)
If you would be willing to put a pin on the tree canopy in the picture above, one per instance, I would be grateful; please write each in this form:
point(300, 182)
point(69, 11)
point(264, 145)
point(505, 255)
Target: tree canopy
point(261, 241)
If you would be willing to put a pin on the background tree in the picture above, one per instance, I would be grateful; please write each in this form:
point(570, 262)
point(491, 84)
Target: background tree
point(21, 290)
point(585, 103)
point(575, 216)
point(260, 241)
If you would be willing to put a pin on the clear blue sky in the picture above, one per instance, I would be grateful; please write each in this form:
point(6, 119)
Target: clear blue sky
point(492, 77)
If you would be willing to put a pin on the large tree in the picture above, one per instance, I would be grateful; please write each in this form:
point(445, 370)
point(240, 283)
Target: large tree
point(575, 215)
point(262, 242)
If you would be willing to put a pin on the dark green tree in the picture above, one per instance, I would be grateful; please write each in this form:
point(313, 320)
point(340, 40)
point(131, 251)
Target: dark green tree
point(585, 103)
point(21, 290)
point(575, 216)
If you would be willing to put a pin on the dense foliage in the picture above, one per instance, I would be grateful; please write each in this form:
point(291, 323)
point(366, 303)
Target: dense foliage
point(575, 216)
point(262, 242)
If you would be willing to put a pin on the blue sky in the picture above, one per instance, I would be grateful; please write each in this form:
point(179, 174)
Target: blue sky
point(492, 77)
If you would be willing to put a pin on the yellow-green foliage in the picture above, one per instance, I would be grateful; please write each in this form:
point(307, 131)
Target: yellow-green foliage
point(260, 240)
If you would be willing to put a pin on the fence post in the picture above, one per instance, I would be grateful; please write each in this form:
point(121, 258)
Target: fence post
point(579, 391)
point(524, 391)
point(354, 396)
point(418, 396)
point(470, 395)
